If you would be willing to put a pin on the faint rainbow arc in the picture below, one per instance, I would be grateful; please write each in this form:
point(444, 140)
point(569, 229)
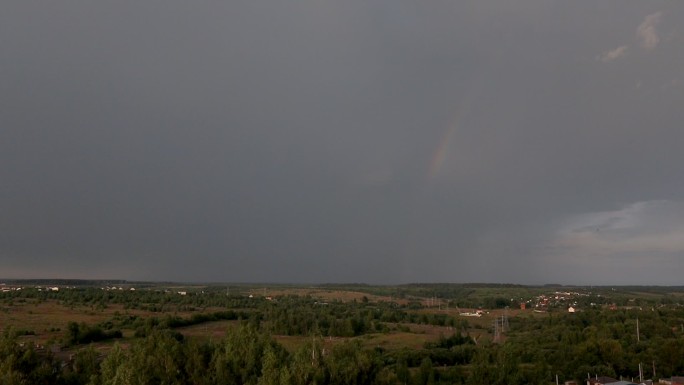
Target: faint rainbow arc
point(441, 152)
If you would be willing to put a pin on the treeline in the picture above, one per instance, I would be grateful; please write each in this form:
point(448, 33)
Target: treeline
point(155, 300)
point(535, 350)
point(463, 296)
point(302, 316)
point(246, 355)
point(602, 342)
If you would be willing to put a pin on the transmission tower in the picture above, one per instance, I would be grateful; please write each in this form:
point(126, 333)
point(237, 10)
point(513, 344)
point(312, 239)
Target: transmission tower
point(497, 331)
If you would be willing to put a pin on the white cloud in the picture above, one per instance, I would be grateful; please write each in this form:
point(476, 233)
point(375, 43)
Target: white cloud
point(640, 243)
point(611, 55)
point(646, 33)
point(644, 227)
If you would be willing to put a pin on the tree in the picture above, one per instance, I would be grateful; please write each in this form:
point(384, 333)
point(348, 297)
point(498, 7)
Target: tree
point(426, 372)
point(270, 372)
point(403, 373)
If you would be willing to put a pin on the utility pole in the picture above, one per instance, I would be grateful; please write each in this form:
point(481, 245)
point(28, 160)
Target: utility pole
point(638, 337)
point(313, 350)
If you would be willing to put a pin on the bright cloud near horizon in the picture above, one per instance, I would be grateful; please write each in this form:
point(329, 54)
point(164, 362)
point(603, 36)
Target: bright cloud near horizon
point(613, 54)
point(651, 232)
point(647, 33)
point(383, 142)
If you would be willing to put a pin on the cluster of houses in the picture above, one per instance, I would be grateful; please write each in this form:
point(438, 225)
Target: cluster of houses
point(110, 288)
point(5, 288)
point(558, 298)
point(542, 303)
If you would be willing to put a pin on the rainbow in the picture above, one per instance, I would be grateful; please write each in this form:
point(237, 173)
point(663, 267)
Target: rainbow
point(441, 152)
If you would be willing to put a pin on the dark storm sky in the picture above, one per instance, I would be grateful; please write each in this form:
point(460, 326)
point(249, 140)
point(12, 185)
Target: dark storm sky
point(312, 141)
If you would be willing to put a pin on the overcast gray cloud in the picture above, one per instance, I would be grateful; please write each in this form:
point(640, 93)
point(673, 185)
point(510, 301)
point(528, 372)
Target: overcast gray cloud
point(315, 142)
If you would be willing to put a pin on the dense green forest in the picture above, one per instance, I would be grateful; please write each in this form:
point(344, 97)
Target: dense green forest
point(143, 340)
